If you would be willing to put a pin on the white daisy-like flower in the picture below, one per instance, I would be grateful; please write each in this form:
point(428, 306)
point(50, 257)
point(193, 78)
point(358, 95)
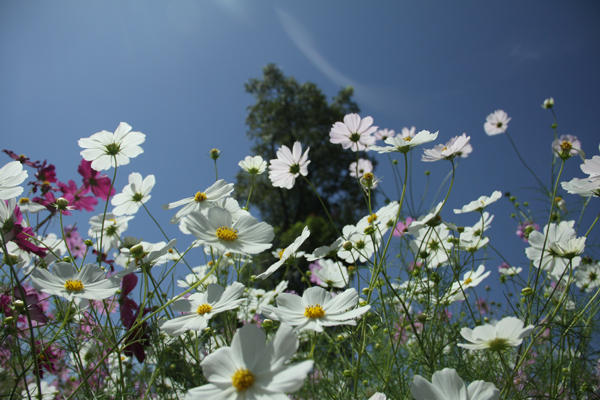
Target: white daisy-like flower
point(284, 170)
point(458, 146)
point(499, 335)
point(508, 270)
point(250, 370)
point(287, 253)
point(114, 226)
point(469, 280)
point(325, 251)
point(65, 281)
point(354, 132)
point(383, 219)
point(404, 144)
point(253, 165)
point(104, 147)
point(357, 170)
point(496, 123)
point(201, 307)
point(583, 187)
point(476, 231)
point(28, 206)
point(332, 274)
point(136, 193)
point(198, 273)
point(11, 176)
point(48, 392)
point(480, 204)
point(447, 385)
point(431, 246)
point(201, 200)
point(244, 236)
point(316, 308)
point(566, 146)
point(588, 277)
point(385, 133)
point(408, 132)
point(357, 246)
point(550, 260)
point(548, 103)
point(570, 248)
point(144, 255)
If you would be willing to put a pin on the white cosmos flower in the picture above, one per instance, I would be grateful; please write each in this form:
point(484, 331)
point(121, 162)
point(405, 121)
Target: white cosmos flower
point(103, 147)
point(284, 170)
point(332, 274)
point(250, 370)
point(286, 253)
point(480, 204)
point(48, 391)
point(11, 176)
point(588, 277)
point(324, 251)
point(447, 385)
point(201, 307)
point(201, 200)
point(383, 219)
point(403, 144)
point(550, 260)
point(136, 193)
point(458, 146)
point(385, 133)
point(548, 103)
point(357, 246)
point(65, 281)
point(253, 165)
point(114, 226)
point(431, 246)
point(469, 280)
point(499, 335)
point(244, 236)
point(144, 255)
point(354, 132)
point(358, 170)
point(316, 308)
point(28, 206)
point(496, 123)
point(378, 396)
point(198, 273)
point(570, 248)
point(584, 187)
point(566, 146)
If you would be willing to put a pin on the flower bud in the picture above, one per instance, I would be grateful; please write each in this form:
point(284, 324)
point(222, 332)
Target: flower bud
point(347, 373)
point(137, 251)
point(527, 291)
point(19, 305)
point(548, 103)
point(347, 246)
point(553, 126)
point(88, 242)
point(395, 162)
point(62, 203)
point(267, 323)
point(215, 154)
point(427, 173)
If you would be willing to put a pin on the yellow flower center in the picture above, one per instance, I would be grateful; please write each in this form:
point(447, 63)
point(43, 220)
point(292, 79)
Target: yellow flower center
point(469, 280)
point(557, 199)
point(204, 308)
point(368, 176)
point(211, 263)
point(566, 146)
point(315, 311)
point(281, 253)
point(228, 254)
point(227, 234)
point(372, 218)
point(200, 196)
point(242, 379)
point(445, 148)
point(74, 285)
point(408, 138)
point(23, 200)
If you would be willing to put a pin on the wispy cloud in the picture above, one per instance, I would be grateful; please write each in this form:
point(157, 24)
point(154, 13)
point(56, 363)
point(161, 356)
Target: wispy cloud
point(382, 99)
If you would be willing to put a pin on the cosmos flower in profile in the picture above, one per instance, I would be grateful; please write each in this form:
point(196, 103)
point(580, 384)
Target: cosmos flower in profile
point(253, 165)
point(447, 385)
point(458, 146)
point(11, 176)
point(499, 335)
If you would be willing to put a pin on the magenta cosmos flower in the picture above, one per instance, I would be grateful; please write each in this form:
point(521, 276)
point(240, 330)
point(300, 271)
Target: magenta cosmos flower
point(354, 132)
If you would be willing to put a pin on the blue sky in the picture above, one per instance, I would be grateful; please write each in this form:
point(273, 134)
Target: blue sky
point(175, 71)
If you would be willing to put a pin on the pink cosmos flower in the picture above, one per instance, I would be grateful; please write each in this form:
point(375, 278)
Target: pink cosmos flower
point(354, 132)
point(402, 227)
point(99, 183)
point(313, 277)
point(76, 196)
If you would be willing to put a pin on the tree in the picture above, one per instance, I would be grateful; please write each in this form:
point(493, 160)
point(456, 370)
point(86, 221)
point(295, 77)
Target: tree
point(286, 111)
